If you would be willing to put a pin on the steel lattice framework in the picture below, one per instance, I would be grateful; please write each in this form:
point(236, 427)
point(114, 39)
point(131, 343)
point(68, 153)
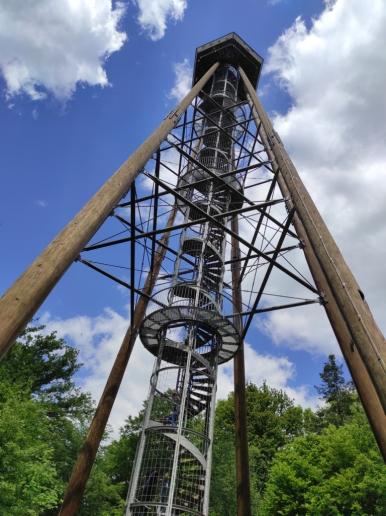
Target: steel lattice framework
point(210, 169)
point(207, 224)
point(172, 469)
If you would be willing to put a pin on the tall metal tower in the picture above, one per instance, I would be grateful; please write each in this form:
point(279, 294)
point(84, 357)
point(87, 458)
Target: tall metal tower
point(190, 336)
point(217, 224)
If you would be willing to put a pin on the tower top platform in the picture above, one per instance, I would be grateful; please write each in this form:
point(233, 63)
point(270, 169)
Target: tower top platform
point(230, 49)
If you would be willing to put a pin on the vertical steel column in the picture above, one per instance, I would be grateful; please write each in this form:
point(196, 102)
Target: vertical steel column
point(21, 301)
point(210, 448)
point(181, 423)
point(242, 457)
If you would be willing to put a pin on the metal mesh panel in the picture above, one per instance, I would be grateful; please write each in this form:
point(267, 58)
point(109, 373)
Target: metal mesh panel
point(190, 482)
point(156, 467)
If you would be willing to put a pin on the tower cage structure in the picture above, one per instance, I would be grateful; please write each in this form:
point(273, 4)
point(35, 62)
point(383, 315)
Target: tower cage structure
point(215, 240)
point(207, 225)
point(190, 337)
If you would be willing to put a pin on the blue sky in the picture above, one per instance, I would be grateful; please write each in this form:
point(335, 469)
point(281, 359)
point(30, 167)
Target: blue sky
point(58, 145)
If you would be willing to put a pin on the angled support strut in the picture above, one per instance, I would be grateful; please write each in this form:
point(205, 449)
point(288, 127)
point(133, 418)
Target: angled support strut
point(23, 299)
point(360, 339)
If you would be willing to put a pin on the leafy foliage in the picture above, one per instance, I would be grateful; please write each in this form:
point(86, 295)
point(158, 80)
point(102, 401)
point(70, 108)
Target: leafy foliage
point(333, 382)
point(45, 365)
point(338, 394)
point(43, 417)
point(301, 462)
point(273, 420)
point(29, 481)
point(339, 471)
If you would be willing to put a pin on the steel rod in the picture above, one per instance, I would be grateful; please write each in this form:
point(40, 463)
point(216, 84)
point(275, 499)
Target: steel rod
point(209, 133)
point(201, 220)
point(279, 307)
point(155, 210)
point(21, 301)
point(127, 223)
point(132, 252)
point(283, 249)
point(117, 280)
point(259, 224)
point(239, 238)
point(239, 194)
point(222, 109)
point(202, 181)
point(81, 472)
point(268, 271)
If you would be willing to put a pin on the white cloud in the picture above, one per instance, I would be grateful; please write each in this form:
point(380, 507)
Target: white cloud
point(99, 338)
point(154, 15)
point(51, 46)
point(41, 203)
point(302, 328)
point(335, 74)
point(183, 80)
point(277, 372)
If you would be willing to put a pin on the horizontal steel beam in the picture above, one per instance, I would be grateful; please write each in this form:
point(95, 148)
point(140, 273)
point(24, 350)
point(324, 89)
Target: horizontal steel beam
point(276, 307)
point(283, 249)
point(190, 140)
point(118, 280)
point(215, 176)
point(239, 238)
point(201, 181)
point(269, 270)
point(176, 227)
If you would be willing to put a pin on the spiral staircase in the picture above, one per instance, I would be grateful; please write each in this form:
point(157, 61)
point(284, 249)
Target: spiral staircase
point(190, 336)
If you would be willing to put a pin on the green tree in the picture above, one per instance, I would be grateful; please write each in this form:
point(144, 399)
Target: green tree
point(107, 488)
point(43, 417)
point(102, 496)
point(338, 394)
point(272, 420)
point(29, 481)
point(45, 365)
point(332, 380)
point(223, 499)
point(336, 472)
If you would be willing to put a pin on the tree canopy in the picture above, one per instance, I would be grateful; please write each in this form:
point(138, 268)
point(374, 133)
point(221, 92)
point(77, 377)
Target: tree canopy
point(338, 471)
point(320, 462)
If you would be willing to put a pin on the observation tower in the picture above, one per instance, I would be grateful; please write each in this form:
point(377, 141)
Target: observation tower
point(190, 337)
point(216, 228)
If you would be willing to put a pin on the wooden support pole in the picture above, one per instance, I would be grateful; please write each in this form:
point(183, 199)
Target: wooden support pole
point(242, 456)
point(365, 388)
point(81, 472)
point(364, 332)
point(359, 374)
point(20, 302)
